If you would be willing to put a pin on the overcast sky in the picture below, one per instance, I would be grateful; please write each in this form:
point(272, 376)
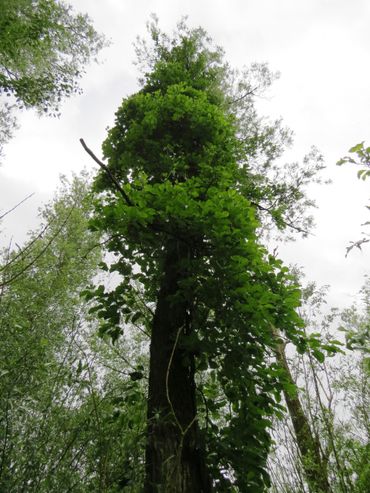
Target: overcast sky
point(321, 48)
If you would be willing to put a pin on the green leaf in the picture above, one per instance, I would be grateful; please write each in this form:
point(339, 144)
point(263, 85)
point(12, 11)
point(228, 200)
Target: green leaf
point(357, 148)
point(318, 355)
point(136, 317)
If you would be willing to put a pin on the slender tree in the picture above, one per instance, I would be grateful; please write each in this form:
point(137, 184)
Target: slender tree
point(321, 447)
point(313, 463)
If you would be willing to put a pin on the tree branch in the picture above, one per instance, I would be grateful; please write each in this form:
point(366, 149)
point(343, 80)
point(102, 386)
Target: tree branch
point(105, 168)
point(154, 226)
point(286, 222)
point(17, 205)
point(42, 251)
point(245, 95)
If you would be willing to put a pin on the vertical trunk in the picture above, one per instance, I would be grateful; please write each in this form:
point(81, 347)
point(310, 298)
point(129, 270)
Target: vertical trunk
point(314, 466)
point(174, 459)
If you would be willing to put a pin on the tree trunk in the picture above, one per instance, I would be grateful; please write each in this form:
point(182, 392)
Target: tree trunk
point(314, 466)
point(174, 459)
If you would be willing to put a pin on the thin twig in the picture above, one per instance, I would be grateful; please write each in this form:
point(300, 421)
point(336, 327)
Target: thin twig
point(17, 205)
point(43, 250)
point(167, 377)
point(249, 93)
point(286, 222)
point(24, 249)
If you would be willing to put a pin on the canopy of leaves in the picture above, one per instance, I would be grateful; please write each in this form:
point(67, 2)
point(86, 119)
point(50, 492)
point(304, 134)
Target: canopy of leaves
point(43, 49)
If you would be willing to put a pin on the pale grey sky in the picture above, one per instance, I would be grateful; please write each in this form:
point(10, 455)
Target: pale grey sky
point(321, 48)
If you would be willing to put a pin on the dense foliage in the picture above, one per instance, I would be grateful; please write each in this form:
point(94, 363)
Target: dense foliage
point(181, 202)
point(71, 417)
point(39, 308)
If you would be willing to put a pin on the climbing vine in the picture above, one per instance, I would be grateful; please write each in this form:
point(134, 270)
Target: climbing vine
point(190, 179)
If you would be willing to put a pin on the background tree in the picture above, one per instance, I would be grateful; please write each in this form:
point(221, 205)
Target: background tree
point(313, 463)
point(44, 47)
point(40, 323)
point(72, 412)
point(333, 396)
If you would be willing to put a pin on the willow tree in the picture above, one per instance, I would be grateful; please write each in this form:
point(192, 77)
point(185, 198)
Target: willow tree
point(42, 429)
point(186, 187)
point(44, 49)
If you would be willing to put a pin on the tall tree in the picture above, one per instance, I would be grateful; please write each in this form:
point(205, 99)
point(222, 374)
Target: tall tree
point(188, 181)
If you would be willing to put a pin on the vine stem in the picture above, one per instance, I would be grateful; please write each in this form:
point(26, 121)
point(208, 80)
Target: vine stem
point(183, 431)
point(167, 378)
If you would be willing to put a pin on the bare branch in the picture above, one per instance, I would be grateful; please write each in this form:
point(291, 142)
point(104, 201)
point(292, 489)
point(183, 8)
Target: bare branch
point(105, 168)
point(25, 249)
point(17, 205)
point(32, 262)
point(249, 93)
point(287, 223)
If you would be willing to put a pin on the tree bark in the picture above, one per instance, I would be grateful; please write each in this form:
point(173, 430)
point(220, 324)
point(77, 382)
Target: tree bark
point(314, 466)
point(174, 458)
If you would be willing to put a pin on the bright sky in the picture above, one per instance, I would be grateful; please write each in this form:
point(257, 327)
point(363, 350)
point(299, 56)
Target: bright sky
point(321, 48)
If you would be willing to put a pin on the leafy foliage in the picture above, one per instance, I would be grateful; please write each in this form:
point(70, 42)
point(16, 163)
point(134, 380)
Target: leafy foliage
point(191, 161)
point(44, 47)
point(72, 411)
point(362, 158)
point(8, 124)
